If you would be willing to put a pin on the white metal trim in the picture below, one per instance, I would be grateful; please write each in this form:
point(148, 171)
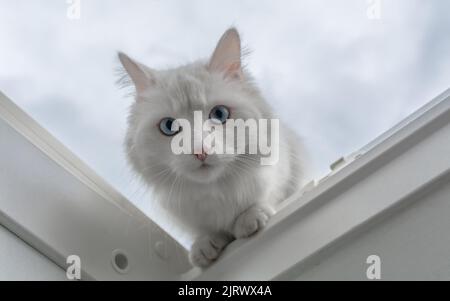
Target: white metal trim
point(390, 171)
point(136, 233)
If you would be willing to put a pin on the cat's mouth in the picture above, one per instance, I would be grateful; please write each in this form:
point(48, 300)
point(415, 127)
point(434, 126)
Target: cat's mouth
point(206, 171)
point(205, 166)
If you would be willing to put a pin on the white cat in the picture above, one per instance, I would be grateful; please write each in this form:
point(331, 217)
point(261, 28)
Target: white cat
point(221, 197)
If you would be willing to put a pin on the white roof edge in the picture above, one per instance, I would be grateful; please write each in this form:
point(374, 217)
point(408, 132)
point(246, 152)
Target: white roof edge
point(272, 253)
point(156, 255)
point(49, 145)
point(433, 104)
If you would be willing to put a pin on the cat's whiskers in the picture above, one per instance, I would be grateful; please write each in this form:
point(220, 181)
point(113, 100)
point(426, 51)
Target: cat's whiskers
point(242, 167)
point(169, 196)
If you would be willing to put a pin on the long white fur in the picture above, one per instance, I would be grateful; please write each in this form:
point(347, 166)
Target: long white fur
point(235, 197)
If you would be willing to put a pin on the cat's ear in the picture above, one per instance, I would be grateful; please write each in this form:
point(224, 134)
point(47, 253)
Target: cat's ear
point(141, 75)
point(227, 55)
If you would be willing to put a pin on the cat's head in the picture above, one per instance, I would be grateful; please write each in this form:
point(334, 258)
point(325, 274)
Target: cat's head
point(218, 87)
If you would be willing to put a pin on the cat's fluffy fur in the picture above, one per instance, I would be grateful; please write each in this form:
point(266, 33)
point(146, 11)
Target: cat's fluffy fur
point(234, 197)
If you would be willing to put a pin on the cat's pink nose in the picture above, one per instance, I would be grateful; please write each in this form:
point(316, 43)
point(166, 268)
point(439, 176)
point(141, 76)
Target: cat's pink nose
point(201, 157)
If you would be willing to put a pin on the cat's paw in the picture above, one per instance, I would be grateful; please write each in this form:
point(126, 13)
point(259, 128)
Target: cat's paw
point(251, 221)
point(207, 249)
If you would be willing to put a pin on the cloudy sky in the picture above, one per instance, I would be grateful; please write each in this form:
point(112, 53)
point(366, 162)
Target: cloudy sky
point(336, 74)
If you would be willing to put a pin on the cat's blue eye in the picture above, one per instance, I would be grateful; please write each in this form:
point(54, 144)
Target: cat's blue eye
point(220, 113)
point(165, 126)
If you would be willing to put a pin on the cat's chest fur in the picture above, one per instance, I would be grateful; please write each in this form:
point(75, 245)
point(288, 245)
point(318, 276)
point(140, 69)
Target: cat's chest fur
point(215, 206)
